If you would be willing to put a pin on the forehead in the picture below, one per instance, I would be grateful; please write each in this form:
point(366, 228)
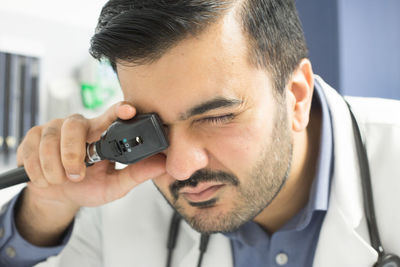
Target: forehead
point(212, 64)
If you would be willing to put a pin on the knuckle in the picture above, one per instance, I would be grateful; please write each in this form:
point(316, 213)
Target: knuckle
point(54, 122)
point(76, 119)
point(74, 124)
point(77, 116)
point(52, 172)
point(36, 130)
point(50, 132)
point(70, 145)
point(71, 157)
point(47, 167)
point(47, 148)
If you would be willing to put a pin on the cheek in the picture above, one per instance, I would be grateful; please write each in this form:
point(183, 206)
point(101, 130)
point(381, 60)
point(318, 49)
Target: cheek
point(238, 148)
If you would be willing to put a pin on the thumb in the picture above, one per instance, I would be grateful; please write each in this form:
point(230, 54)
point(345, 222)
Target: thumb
point(142, 171)
point(121, 110)
point(120, 182)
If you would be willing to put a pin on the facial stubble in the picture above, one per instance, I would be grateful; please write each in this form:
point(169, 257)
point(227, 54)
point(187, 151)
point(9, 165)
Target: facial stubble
point(253, 195)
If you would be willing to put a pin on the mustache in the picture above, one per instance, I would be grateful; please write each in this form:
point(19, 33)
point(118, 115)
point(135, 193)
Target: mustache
point(203, 176)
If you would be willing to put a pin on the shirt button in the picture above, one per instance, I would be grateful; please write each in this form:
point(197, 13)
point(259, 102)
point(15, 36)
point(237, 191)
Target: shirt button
point(281, 258)
point(10, 251)
point(1, 232)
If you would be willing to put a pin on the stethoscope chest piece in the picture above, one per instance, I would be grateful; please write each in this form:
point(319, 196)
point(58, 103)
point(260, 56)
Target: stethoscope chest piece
point(388, 260)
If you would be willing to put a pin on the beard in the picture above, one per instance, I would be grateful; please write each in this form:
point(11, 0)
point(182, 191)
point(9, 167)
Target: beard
point(251, 194)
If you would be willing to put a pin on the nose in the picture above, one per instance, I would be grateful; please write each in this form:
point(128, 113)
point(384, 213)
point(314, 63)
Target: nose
point(185, 154)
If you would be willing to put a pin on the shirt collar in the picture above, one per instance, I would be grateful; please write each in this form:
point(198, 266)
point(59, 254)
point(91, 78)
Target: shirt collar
point(319, 193)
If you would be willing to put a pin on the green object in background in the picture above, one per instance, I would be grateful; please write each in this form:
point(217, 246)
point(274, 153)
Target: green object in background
point(94, 96)
point(98, 83)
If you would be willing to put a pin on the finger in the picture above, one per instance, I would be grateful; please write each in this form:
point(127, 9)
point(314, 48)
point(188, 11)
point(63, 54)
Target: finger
point(49, 151)
point(135, 174)
point(28, 156)
point(123, 110)
point(73, 146)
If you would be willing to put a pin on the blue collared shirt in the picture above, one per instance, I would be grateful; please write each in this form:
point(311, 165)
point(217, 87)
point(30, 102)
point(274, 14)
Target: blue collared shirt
point(15, 251)
point(294, 244)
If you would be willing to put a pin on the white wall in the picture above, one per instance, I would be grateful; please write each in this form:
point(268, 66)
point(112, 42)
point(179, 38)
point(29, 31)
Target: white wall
point(59, 32)
point(62, 29)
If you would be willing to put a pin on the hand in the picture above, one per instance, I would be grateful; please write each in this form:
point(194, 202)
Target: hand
point(53, 156)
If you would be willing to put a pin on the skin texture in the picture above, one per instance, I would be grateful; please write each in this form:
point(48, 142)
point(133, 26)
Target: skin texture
point(264, 143)
point(255, 147)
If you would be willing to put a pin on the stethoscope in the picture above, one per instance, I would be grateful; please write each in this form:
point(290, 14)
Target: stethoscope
point(384, 259)
point(173, 235)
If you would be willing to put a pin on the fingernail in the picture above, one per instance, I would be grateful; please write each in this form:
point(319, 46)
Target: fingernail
point(74, 176)
point(127, 108)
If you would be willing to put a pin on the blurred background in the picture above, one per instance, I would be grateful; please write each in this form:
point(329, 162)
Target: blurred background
point(46, 71)
point(354, 44)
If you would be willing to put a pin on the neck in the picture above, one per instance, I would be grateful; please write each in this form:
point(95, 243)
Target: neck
point(295, 193)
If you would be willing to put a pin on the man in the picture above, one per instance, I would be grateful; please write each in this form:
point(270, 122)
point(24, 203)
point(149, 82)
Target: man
point(262, 160)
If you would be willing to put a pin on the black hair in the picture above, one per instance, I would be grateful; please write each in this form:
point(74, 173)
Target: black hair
point(141, 31)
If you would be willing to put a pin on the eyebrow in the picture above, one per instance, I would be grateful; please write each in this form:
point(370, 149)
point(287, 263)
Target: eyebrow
point(216, 103)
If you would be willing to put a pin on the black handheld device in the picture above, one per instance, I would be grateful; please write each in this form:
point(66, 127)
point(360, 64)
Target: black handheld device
point(125, 141)
point(128, 141)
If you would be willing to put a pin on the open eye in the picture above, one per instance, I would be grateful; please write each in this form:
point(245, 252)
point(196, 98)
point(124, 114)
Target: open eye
point(219, 119)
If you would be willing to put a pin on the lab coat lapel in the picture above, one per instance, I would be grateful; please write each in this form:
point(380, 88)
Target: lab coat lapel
point(341, 245)
point(190, 246)
point(343, 240)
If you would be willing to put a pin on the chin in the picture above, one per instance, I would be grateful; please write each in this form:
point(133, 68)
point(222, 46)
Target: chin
point(211, 219)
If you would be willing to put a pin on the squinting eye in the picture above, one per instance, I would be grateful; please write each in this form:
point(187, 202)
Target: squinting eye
point(219, 119)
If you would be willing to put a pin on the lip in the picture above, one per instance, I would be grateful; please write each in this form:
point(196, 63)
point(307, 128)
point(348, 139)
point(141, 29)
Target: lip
point(202, 192)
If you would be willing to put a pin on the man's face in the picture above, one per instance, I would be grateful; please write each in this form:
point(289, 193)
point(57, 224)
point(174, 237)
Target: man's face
point(230, 140)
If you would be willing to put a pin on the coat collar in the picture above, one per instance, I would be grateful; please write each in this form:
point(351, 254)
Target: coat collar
point(343, 241)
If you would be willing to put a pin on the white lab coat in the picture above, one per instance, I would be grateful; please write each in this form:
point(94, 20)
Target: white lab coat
point(133, 231)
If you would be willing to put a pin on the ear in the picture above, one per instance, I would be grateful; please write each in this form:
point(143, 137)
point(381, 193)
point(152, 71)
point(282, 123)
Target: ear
point(300, 92)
